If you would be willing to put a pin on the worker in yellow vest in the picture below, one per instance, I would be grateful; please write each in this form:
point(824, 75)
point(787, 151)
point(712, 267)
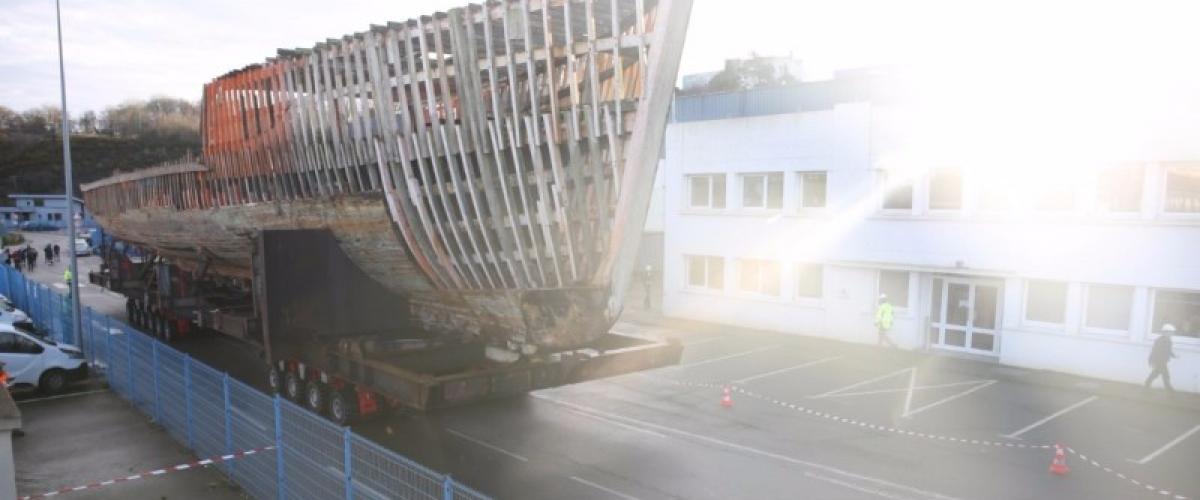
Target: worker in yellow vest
point(883, 320)
point(67, 276)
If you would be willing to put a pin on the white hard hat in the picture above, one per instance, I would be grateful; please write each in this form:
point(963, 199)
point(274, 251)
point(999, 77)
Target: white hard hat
point(882, 296)
point(1168, 327)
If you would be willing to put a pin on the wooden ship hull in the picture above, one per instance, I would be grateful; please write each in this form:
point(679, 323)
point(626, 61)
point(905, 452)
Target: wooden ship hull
point(492, 165)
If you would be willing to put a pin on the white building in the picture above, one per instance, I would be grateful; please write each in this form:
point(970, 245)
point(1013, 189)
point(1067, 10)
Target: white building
point(776, 216)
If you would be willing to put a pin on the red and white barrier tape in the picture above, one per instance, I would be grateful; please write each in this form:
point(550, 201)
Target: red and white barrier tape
point(151, 473)
point(935, 437)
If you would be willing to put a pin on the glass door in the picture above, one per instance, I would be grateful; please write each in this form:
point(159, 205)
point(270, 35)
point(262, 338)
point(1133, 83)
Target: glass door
point(963, 315)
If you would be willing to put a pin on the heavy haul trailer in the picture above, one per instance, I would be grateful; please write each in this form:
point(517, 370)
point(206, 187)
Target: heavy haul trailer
point(490, 167)
point(335, 339)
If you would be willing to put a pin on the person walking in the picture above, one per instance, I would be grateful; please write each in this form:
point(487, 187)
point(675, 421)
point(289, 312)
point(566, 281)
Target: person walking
point(67, 277)
point(1161, 354)
point(48, 252)
point(31, 258)
point(56, 251)
point(883, 320)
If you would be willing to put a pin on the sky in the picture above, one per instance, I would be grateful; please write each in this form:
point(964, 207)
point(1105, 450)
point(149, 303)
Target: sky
point(133, 49)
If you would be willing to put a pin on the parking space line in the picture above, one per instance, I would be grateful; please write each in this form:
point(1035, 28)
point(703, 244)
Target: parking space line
point(1146, 459)
point(751, 450)
point(1059, 413)
point(723, 358)
point(945, 400)
point(860, 384)
point(487, 445)
point(788, 369)
point(853, 486)
point(614, 422)
point(906, 389)
point(703, 341)
point(610, 491)
point(61, 396)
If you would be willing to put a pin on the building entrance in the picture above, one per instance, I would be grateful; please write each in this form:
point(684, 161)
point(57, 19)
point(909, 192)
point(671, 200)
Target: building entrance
point(964, 314)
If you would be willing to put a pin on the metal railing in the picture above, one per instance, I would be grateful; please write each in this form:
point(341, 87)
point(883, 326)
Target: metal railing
point(214, 414)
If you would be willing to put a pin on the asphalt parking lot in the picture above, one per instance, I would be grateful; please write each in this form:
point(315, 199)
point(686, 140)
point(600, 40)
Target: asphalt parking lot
point(810, 419)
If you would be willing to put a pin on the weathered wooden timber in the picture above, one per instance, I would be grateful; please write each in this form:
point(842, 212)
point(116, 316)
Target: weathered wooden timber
point(493, 164)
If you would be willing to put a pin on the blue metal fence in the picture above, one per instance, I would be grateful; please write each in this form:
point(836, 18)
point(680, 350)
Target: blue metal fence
point(213, 414)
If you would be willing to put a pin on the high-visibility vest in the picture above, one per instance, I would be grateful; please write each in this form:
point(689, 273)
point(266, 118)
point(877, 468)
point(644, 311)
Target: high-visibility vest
point(67, 275)
point(883, 316)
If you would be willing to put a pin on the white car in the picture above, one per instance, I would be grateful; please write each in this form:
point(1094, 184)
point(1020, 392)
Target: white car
point(9, 313)
point(82, 247)
point(31, 359)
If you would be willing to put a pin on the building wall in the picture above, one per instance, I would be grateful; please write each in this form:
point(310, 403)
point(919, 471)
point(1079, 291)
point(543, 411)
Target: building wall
point(852, 238)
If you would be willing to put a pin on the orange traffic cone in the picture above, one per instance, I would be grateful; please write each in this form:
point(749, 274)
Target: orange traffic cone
point(726, 398)
point(1059, 464)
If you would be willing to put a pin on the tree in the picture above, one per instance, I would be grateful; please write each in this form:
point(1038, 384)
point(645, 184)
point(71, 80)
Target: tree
point(746, 74)
point(9, 119)
point(88, 123)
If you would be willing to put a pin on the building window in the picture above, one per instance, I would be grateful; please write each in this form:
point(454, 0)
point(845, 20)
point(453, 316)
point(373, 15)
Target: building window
point(39, 203)
point(812, 189)
point(759, 276)
point(706, 191)
point(1183, 190)
point(1046, 301)
point(1179, 309)
point(810, 280)
point(1120, 189)
point(762, 190)
point(945, 189)
point(1056, 195)
point(1108, 307)
point(899, 196)
point(894, 284)
point(706, 272)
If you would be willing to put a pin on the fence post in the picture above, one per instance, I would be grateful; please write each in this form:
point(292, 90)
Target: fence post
point(279, 474)
point(157, 405)
point(129, 364)
point(228, 422)
point(448, 488)
point(187, 396)
point(348, 453)
point(108, 355)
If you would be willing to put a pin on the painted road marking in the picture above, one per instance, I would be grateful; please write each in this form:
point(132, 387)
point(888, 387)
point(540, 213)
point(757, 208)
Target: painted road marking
point(788, 369)
point(747, 449)
point(723, 358)
point(1059, 413)
point(61, 396)
point(602, 488)
point(909, 414)
point(703, 341)
point(487, 445)
point(855, 487)
point(860, 384)
point(616, 423)
point(1146, 459)
point(905, 389)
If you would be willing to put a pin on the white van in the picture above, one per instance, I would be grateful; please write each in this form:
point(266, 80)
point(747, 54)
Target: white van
point(9, 313)
point(31, 358)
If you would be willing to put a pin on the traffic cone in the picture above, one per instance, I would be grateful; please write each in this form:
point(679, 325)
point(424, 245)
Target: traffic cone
point(726, 398)
point(1059, 464)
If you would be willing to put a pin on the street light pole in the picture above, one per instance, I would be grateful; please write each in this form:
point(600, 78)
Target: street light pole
point(70, 185)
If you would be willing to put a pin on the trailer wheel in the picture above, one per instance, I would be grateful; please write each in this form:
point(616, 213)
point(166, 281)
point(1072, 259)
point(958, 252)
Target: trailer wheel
point(341, 407)
point(314, 396)
point(274, 380)
point(291, 386)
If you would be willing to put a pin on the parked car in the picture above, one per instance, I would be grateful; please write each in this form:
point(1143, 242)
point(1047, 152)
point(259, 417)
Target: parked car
point(32, 359)
point(9, 313)
point(37, 225)
point(82, 247)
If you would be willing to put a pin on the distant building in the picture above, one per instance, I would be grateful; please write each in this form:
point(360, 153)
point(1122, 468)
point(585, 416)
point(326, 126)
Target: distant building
point(782, 212)
point(45, 209)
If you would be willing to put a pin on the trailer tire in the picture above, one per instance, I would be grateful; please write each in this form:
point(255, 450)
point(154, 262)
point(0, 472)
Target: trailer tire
point(342, 407)
point(274, 380)
point(314, 397)
point(292, 387)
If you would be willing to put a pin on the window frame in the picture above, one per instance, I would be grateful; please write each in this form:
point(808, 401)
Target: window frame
point(711, 192)
point(1097, 202)
point(1087, 305)
point(1153, 332)
point(1164, 181)
point(759, 293)
point(885, 194)
point(797, 268)
point(1025, 319)
point(802, 184)
point(962, 186)
point(707, 259)
point(766, 185)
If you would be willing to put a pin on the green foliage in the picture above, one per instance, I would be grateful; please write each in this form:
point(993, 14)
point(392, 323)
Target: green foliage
point(10, 239)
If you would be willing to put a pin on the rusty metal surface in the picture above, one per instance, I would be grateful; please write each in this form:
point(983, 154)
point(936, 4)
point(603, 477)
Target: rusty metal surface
point(471, 160)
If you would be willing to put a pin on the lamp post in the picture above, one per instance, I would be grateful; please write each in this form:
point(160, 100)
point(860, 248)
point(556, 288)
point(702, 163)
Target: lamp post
point(70, 185)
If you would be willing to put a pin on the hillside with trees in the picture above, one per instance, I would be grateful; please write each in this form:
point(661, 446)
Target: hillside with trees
point(125, 137)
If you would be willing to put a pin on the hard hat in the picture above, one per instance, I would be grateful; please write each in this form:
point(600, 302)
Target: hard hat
point(1168, 327)
point(882, 296)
